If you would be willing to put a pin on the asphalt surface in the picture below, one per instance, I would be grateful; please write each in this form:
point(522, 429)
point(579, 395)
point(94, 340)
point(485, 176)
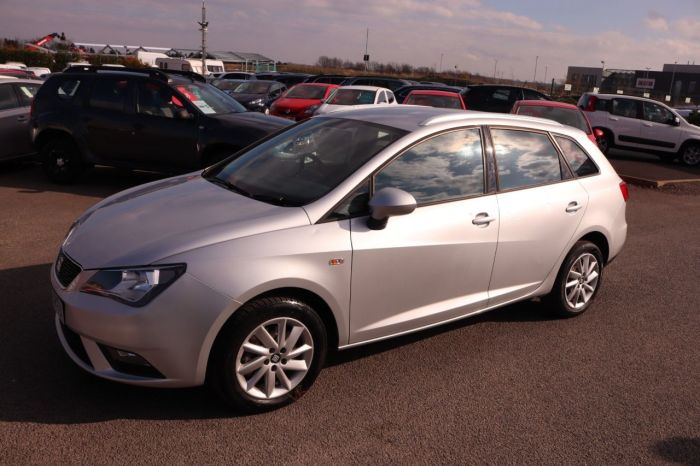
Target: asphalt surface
point(617, 385)
point(650, 170)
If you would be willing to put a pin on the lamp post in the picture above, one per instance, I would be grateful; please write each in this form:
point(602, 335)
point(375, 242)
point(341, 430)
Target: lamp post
point(673, 77)
point(495, 65)
point(534, 77)
point(602, 73)
point(440, 70)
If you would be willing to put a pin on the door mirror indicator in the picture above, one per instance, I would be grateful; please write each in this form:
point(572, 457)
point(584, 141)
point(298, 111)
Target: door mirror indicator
point(389, 202)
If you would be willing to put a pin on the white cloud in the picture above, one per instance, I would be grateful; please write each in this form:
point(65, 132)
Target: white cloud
point(656, 22)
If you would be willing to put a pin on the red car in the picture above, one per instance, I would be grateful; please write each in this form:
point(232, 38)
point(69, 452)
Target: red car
point(300, 102)
point(566, 114)
point(441, 99)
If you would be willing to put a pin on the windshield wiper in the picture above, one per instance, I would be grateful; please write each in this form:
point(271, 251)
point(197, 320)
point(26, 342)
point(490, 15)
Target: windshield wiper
point(230, 186)
point(270, 199)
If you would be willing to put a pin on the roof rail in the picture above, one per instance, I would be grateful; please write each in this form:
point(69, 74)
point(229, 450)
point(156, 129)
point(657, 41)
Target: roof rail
point(155, 73)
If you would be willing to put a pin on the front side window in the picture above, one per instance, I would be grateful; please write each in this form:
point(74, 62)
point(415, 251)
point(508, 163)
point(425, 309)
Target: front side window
point(525, 159)
point(208, 99)
point(157, 100)
point(305, 162)
point(27, 92)
point(109, 94)
point(580, 163)
point(657, 113)
point(448, 166)
point(624, 107)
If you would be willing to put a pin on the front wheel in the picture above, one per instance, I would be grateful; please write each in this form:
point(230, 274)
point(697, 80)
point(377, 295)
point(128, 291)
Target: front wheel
point(269, 354)
point(690, 155)
point(578, 281)
point(605, 142)
point(61, 161)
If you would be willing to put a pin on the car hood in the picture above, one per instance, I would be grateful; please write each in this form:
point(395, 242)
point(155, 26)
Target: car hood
point(327, 108)
point(241, 98)
point(149, 223)
point(252, 119)
point(295, 104)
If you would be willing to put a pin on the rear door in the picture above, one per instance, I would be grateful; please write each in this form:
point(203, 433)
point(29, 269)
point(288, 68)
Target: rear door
point(540, 206)
point(624, 120)
point(433, 264)
point(14, 133)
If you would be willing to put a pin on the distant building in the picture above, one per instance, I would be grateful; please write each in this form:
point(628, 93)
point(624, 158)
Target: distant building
point(583, 78)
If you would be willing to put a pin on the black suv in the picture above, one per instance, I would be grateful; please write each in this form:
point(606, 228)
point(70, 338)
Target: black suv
point(139, 119)
point(497, 98)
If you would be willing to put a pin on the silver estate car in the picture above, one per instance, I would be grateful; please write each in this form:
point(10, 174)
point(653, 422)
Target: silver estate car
point(342, 230)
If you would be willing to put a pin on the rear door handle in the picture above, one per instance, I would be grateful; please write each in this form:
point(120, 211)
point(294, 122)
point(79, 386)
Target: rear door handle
point(483, 219)
point(648, 125)
point(573, 207)
point(22, 118)
point(613, 118)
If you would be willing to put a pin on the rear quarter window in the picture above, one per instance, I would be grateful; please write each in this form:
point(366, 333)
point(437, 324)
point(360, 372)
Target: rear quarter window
point(577, 158)
point(67, 88)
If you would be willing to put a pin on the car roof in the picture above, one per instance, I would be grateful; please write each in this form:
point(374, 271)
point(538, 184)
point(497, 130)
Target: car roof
point(365, 88)
point(14, 80)
point(545, 103)
point(617, 96)
point(433, 92)
point(412, 118)
point(317, 84)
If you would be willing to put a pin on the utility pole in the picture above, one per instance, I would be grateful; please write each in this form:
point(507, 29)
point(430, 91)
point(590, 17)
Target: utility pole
point(440, 70)
point(545, 74)
point(495, 65)
point(673, 77)
point(366, 57)
point(203, 25)
point(534, 77)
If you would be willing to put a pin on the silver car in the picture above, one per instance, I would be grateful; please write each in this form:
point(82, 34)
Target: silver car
point(16, 97)
point(343, 230)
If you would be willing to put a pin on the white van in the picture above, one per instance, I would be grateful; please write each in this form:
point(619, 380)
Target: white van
point(190, 64)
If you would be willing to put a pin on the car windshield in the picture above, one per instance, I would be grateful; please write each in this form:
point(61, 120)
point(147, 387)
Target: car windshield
point(208, 99)
point(306, 92)
point(440, 101)
point(227, 84)
point(253, 87)
point(351, 97)
point(565, 116)
point(305, 162)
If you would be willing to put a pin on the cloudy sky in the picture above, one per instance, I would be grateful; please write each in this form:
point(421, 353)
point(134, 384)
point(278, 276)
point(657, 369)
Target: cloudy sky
point(469, 34)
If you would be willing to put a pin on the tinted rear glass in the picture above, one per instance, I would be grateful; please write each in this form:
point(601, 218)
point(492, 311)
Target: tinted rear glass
point(109, 94)
point(306, 92)
point(525, 159)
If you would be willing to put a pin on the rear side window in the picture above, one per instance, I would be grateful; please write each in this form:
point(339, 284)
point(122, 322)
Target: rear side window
point(580, 163)
point(157, 100)
point(525, 159)
point(66, 89)
point(7, 97)
point(109, 94)
point(624, 107)
point(532, 95)
point(447, 166)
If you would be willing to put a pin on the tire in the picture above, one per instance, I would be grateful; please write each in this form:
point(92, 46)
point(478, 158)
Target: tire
point(260, 376)
point(605, 142)
point(61, 161)
point(690, 155)
point(574, 293)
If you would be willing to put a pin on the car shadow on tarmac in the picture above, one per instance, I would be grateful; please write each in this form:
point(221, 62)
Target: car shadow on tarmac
point(28, 177)
point(680, 450)
point(40, 384)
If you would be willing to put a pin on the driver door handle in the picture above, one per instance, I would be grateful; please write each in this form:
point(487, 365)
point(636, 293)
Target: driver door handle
point(483, 219)
point(573, 207)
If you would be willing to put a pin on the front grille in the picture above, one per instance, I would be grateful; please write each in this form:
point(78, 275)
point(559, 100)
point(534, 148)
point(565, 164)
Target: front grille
point(76, 344)
point(66, 269)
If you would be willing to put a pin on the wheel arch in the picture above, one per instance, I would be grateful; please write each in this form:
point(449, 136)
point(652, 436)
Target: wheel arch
point(600, 240)
point(53, 133)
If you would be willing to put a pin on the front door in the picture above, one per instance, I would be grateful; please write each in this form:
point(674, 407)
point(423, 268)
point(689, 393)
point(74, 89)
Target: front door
point(434, 264)
point(659, 131)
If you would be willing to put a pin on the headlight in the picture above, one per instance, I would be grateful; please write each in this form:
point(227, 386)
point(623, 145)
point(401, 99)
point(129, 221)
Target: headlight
point(70, 232)
point(311, 110)
point(135, 287)
point(257, 102)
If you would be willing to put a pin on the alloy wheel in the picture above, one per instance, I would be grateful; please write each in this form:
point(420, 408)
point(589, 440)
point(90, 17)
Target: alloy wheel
point(274, 358)
point(691, 155)
point(582, 280)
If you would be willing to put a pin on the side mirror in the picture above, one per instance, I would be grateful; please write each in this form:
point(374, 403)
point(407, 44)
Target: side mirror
point(389, 202)
point(676, 121)
point(598, 133)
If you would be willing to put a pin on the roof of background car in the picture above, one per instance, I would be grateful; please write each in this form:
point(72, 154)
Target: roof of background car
point(316, 84)
point(13, 80)
point(434, 92)
point(624, 96)
point(545, 103)
point(411, 118)
point(365, 88)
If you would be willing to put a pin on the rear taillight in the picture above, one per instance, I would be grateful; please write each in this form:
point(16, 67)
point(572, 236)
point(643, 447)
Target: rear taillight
point(624, 190)
point(590, 105)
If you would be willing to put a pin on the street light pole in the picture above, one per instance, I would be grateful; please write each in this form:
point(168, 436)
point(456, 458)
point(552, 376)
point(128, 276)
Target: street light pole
point(602, 73)
point(495, 65)
point(673, 77)
point(441, 63)
point(534, 77)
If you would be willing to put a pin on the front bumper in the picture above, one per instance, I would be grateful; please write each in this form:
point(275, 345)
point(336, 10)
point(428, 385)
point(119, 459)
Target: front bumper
point(174, 333)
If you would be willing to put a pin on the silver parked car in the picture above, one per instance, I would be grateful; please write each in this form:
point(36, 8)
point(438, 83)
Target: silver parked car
point(343, 230)
point(16, 97)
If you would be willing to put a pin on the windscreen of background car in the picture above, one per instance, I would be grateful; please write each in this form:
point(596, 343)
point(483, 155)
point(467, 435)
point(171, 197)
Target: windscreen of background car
point(352, 97)
point(306, 92)
point(565, 116)
point(209, 99)
point(304, 163)
point(253, 87)
point(439, 101)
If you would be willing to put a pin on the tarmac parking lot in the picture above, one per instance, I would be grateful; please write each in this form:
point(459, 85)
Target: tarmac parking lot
point(617, 385)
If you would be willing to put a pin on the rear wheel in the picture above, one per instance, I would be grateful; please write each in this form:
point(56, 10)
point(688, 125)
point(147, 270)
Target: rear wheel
point(61, 161)
point(605, 142)
point(269, 354)
point(690, 155)
point(578, 281)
